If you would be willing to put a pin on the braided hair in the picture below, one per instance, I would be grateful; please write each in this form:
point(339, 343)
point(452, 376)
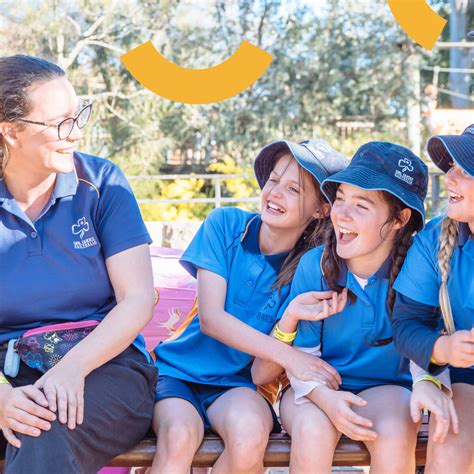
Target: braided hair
point(447, 242)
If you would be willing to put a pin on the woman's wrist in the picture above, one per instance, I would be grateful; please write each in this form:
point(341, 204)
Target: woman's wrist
point(439, 356)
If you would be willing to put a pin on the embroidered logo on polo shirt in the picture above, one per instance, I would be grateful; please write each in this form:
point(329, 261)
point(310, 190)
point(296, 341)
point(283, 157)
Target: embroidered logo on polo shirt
point(80, 229)
point(405, 165)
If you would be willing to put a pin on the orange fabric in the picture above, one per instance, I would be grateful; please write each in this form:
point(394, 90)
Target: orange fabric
point(272, 391)
point(191, 315)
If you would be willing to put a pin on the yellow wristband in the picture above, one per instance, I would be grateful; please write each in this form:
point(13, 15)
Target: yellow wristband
point(277, 333)
point(435, 362)
point(3, 379)
point(429, 378)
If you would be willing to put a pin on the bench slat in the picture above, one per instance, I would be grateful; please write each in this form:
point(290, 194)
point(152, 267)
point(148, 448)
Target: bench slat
point(348, 452)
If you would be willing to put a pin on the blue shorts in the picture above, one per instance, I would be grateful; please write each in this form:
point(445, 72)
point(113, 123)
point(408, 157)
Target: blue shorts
point(201, 396)
point(461, 375)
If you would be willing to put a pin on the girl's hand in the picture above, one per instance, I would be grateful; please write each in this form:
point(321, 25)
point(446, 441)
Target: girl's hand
point(456, 350)
point(24, 410)
point(306, 367)
point(316, 305)
point(427, 395)
point(337, 406)
point(63, 386)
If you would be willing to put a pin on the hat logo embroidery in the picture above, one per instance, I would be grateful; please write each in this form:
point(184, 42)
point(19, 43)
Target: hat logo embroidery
point(81, 227)
point(406, 165)
point(319, 150)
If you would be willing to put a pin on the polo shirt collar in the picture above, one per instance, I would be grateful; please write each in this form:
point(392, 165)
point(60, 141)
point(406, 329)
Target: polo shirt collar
point(249, 242)
point(464, 233)
point(382, 273)
point(66, 184)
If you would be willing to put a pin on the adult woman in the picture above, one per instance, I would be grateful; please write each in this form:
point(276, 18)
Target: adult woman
point(73, 250)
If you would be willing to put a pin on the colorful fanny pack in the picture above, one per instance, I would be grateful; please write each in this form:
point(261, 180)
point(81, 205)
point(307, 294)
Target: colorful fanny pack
point(42, 348)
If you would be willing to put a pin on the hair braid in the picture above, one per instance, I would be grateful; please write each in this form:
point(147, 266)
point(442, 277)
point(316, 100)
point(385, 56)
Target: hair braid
point(447, 243)
point(399, 252)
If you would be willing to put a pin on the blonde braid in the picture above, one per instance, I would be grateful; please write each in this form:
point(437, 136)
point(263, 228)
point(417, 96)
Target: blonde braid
point(447, 242)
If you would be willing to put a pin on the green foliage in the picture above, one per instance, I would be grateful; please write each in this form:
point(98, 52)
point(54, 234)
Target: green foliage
point(335, 64)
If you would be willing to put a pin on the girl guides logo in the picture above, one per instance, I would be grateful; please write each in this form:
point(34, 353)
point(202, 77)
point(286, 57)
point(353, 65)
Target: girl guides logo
point(80, 229)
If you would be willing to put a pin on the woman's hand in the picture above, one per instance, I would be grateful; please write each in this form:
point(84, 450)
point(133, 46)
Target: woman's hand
point(456, 350)
point(427, 395)
point(23, 410)
point(63, 386)
point(316, 305)
point(306, 366)
point(337, 406)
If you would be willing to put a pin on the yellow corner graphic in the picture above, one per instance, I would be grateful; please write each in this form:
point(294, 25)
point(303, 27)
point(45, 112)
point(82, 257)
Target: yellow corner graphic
point(418, 21)
point(196, 86)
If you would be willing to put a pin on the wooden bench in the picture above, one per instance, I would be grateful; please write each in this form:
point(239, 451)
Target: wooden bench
point(348, 452)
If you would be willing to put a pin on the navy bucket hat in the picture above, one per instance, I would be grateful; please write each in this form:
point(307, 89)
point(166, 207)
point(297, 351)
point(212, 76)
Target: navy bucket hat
point(317, 157)
point(446, 149)
point(387, 167)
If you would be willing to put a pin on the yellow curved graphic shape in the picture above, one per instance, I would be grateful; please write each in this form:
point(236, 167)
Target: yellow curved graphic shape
point(196, 86)
point(418, 21)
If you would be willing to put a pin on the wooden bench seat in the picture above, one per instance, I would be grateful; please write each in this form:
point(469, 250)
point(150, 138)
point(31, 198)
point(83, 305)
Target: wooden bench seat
point(348, 452)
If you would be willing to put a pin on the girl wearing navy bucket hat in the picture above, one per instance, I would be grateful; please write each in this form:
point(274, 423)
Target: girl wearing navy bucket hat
point(243, 263)
point(436, 288)
point(377, 206)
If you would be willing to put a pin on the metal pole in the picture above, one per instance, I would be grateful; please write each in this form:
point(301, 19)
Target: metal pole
point(218, 192)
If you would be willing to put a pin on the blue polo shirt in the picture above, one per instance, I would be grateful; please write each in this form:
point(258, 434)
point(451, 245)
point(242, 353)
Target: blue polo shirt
point(345, 337)
point(416, 317)
point(53, 269)
point(226, 244)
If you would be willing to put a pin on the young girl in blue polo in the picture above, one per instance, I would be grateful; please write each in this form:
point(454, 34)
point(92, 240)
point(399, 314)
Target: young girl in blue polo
point(243, 263)
point(437, 283)
point(377, 206)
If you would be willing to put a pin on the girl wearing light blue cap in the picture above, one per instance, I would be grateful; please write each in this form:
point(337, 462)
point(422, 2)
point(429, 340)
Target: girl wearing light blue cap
point(378, 205)
point(437, 283)
point(243, 263)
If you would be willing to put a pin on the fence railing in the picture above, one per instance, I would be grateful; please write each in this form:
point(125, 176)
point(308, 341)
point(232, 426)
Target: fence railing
point(433, 200)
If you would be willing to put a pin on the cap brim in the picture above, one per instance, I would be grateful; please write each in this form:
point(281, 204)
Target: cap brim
point(372, 181)
point(265, 161)
point(446, 149)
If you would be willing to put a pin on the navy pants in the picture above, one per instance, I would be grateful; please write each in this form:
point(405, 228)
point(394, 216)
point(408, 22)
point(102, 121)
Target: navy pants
point(118, 407)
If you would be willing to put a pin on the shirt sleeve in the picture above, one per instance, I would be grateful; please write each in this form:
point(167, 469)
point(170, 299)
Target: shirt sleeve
point(416, 327)
point(443, 377)
point(208, 249)
point(120, 224)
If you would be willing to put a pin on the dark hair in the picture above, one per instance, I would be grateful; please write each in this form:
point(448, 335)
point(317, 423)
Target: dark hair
point(332, 263)
point(311, 237)
point(17, 75)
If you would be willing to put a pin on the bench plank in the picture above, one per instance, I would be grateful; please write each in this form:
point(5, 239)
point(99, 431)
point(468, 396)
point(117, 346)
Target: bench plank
point(348, 452)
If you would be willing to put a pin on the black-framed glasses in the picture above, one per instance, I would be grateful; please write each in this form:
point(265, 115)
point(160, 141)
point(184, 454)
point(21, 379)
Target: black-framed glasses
point(66, 126)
